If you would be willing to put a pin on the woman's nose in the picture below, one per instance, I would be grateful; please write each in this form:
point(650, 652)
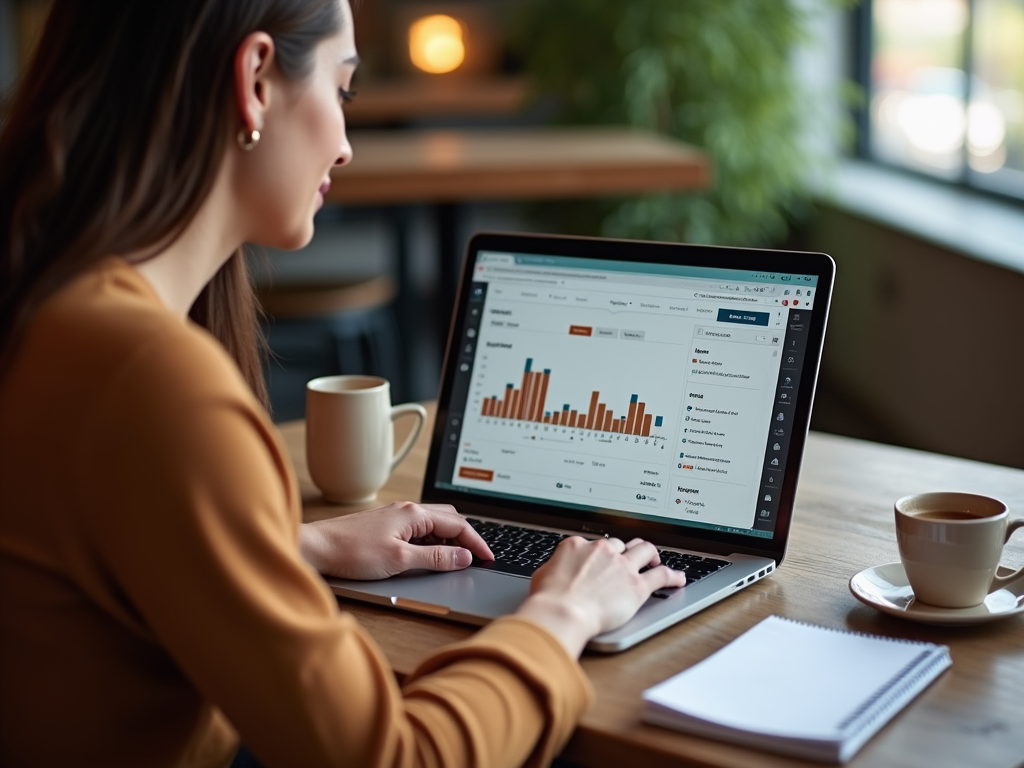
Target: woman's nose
point(345, 156)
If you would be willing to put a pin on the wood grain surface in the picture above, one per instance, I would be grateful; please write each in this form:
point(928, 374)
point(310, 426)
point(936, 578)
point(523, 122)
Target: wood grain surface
point(971, 717)
point(509, 164)
point(404, 100)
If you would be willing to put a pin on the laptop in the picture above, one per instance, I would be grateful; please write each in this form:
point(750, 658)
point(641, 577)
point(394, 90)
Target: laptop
point(599, 387)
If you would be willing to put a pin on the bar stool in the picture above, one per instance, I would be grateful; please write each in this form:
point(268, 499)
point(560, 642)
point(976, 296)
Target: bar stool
point(324, 329)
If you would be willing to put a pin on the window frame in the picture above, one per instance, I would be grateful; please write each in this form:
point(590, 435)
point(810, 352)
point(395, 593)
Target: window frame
point(861, 47)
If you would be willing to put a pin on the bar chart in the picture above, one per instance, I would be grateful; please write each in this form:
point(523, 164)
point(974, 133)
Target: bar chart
point(528, 402)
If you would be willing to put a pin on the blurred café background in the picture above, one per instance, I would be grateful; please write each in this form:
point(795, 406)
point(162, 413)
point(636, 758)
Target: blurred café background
point(887, 133)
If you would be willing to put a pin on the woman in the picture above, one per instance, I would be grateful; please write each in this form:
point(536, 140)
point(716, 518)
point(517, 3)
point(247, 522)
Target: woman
point(158, 596)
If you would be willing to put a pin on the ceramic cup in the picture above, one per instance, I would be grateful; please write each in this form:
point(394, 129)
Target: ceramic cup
point(350, 443)
point(950, 545)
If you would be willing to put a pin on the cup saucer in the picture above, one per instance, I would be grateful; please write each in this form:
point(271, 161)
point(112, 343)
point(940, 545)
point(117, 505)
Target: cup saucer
point(885, 587)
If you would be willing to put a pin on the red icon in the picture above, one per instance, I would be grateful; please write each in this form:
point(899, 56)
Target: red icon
point(795, 302)
point(785, 302)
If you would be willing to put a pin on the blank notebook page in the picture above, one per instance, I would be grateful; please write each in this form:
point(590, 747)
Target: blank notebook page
point(790, 679)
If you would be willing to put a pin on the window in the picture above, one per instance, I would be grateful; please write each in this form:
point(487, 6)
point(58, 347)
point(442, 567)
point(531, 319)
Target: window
point(945, 89)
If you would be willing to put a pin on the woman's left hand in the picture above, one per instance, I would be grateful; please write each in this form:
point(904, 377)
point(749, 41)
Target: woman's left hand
point(399, 537)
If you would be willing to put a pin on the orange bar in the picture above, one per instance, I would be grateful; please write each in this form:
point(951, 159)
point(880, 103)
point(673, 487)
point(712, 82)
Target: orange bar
point(527, 399)
point(476, 474)
point(535, 413)
point(616, 426)
point(630, 417)
point(483, 410)
point(544, 390)
point(547, 419)
point(608, 421)
point(582, 422)
point(534, 381)
point(521, 406)
point(580, 330)
point(514, 413)
point(572, 418)
point(647, 426)
point(531, 395)
point(592, 411)
point(599, 421)
point(638, 422)
point(506, 403)
point(556, 418)
point(542, 395)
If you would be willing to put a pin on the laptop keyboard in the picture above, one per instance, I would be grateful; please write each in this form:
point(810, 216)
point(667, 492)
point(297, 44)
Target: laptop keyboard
point(521, 551)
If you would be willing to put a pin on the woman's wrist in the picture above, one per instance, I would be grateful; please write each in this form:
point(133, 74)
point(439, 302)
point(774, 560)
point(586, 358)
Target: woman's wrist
point(567, 623)
point(313, 546)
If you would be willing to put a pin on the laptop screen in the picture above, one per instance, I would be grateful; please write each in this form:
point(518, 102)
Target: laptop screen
point(666, 393)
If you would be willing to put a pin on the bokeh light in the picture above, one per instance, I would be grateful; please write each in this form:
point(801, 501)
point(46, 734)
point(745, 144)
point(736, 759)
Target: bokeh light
point(436, 44)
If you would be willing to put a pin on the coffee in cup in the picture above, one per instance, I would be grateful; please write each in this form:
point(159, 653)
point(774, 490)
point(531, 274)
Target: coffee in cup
point(350, 438)
point(950, 545)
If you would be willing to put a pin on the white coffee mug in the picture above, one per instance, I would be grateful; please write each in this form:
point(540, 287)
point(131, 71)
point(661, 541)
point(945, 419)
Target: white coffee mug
point(950, 545)
point(350, 438)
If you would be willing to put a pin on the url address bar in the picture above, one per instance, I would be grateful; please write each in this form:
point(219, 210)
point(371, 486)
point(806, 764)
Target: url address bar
point(733, 297)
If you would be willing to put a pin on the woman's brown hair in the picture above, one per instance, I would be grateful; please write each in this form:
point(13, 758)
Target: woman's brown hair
point(113, 139)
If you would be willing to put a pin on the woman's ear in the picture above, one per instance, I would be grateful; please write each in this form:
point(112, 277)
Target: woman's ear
point(253, 62)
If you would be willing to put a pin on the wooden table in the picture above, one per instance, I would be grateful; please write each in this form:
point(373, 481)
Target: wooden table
point(401, 100)
point(971, 717)
point(434, 166)
point(445, 168)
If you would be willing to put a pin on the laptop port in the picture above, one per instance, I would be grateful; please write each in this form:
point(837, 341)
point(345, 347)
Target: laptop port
point(760, 573)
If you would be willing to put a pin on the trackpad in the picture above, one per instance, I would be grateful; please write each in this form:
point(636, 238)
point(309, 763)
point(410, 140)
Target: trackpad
point(461, 595)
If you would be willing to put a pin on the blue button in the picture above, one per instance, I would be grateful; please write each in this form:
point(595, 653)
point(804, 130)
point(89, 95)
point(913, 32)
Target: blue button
point(743, 318)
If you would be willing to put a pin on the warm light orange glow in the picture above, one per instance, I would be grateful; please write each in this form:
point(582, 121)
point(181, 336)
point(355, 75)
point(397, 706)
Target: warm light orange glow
point(435, 44)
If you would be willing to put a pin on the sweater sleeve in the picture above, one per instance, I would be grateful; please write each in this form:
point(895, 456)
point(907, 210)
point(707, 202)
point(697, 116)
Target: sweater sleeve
point(190, 511)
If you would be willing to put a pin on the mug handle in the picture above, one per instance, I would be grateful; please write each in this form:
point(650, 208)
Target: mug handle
point(1001, 581)
point(419, 410)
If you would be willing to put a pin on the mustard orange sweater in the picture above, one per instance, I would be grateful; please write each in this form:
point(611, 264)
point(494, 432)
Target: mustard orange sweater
point(153, 602)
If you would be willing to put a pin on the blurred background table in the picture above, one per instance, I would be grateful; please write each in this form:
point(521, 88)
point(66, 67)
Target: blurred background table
point(402, 101)
point(843, 523)
point(450, 166)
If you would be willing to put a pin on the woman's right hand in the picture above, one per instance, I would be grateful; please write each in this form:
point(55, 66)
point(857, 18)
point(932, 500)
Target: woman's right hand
point(589, 587)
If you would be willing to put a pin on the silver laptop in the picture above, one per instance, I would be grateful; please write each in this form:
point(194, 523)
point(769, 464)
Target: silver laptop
point(602, 387)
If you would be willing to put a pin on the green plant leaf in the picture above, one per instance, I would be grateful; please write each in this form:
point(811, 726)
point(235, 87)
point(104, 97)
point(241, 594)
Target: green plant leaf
point(714, 73)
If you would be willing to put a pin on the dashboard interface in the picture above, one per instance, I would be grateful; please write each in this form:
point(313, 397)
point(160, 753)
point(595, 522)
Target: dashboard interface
point(662, 392)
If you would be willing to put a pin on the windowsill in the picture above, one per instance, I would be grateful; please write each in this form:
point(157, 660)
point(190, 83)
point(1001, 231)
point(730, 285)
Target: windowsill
point(956, 219)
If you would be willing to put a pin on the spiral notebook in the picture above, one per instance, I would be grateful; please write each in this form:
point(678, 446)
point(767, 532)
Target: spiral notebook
point(797, 689)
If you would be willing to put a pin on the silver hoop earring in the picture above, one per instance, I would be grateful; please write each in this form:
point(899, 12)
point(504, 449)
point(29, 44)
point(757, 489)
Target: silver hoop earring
point(248, 140)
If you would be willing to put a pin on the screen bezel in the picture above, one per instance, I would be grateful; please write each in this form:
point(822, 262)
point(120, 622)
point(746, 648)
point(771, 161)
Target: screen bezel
point(608, 521)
